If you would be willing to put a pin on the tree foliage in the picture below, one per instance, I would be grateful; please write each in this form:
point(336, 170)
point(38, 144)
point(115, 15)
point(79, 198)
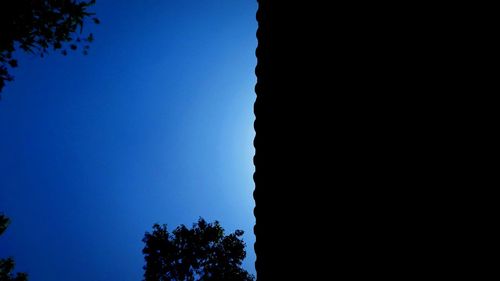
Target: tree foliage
point(4, 222)
point(201, 253)
point(36, 26)
point(7, 265)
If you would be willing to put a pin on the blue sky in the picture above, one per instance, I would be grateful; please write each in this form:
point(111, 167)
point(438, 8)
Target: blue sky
point(155, 125)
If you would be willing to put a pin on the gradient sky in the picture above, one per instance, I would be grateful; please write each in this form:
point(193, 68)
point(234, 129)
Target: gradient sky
point(155, 125)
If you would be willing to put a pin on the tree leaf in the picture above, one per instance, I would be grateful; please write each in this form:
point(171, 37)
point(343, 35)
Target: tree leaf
point(13, 63)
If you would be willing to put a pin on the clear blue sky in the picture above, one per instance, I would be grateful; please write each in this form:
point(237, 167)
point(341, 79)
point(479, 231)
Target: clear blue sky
point(155, 125)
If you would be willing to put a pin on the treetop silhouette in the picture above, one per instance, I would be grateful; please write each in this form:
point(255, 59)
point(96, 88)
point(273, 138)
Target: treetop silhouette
point(202, 253)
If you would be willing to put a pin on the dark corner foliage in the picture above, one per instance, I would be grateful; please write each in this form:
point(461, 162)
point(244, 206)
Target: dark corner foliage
point(38, 26)
point(7, 264)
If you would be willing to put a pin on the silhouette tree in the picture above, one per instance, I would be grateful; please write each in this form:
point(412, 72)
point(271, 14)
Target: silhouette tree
point(35, 26)
point(4, 222)
point(202, 253)
point(7, 265)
